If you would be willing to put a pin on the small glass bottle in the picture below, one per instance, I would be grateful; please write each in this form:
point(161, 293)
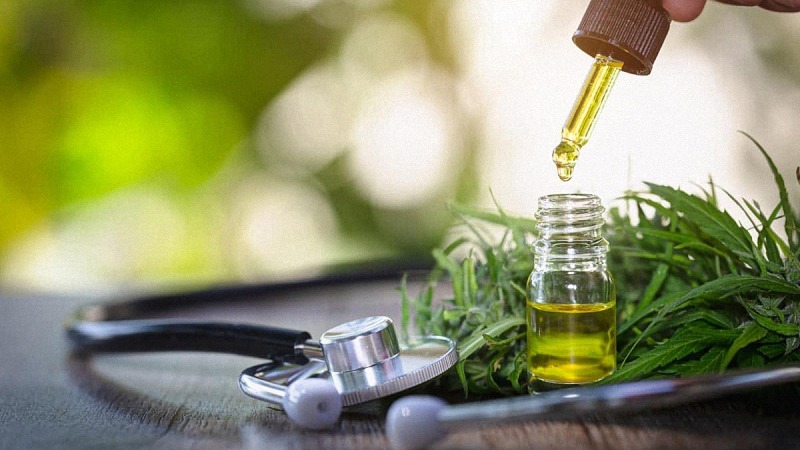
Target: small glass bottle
point(571, 296)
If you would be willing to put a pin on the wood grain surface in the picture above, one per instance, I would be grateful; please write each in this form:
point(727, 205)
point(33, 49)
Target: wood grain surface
point(50, 399)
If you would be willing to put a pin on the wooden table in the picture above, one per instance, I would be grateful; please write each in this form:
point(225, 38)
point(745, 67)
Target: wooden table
point(191, 400)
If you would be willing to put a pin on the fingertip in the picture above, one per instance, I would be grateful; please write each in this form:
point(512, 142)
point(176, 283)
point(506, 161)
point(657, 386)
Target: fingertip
point(684, 10)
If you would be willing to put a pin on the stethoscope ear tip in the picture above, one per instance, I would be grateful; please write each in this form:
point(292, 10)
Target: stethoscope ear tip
point(412, 422)
point(313, 403)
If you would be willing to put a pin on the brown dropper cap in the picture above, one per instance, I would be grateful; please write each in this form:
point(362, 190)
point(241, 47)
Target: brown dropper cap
point(630, 31)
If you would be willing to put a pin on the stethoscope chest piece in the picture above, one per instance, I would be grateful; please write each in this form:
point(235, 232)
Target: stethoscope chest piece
point(365, 361)
point(362, 359)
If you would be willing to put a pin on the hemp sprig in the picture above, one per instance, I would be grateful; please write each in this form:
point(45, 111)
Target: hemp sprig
point(697, 292)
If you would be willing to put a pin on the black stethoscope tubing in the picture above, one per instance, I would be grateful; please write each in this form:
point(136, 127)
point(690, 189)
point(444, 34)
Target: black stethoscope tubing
point(120, 326)
point(188, 335)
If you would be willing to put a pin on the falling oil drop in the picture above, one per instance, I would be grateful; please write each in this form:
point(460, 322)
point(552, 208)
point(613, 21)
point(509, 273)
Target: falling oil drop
point(565, 155)
point(564, 172)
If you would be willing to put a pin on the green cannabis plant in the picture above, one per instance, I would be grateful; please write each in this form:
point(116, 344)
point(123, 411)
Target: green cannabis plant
point(697, 292)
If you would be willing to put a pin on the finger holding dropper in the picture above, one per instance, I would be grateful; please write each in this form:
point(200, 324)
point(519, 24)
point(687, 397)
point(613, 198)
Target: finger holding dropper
point(621, 35)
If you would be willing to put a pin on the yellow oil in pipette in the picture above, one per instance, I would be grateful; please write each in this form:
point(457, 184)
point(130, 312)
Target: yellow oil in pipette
point(580, 122)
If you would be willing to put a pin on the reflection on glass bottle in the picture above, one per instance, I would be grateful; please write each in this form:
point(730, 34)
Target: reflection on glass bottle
point(571, 295)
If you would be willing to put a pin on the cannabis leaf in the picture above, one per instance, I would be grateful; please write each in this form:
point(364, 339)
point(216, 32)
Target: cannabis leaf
point(698, 292)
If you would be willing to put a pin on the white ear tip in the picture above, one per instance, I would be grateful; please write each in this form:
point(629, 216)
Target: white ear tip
point(312, 403)
point(411, 422)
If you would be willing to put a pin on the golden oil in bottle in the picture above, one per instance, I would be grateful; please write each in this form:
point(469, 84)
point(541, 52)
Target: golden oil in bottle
point(578, 126)
point(572, 343)
point(571, 310)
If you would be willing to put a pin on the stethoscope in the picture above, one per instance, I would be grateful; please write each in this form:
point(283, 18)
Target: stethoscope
point(362, 361)
point(353, 363)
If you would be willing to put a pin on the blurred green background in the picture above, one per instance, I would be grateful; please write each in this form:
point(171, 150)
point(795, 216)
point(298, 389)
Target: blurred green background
point(190, 142)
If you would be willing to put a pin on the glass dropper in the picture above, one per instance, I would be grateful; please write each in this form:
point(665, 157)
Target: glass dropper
point(578, 127)
point(621, 35)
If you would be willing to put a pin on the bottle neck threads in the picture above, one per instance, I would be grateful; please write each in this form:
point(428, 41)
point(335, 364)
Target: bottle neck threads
point(570, 233)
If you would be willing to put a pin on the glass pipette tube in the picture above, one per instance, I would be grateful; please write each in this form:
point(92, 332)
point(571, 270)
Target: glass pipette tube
point(578, 127)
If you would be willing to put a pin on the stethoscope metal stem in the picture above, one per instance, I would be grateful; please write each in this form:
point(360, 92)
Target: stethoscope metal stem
point(268, 382)
point(629, 397)
point(310, 348)
point(418, 421)
point(262, 390)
